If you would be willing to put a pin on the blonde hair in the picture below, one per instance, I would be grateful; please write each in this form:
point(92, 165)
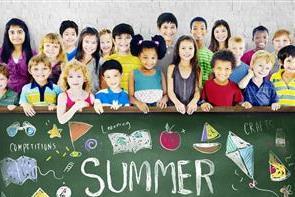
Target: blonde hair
point(236, 39)
point(103, 32)
point(281, 32)
point(270, 58)
point(54, 39)
point(74, 65)
point(40, 58)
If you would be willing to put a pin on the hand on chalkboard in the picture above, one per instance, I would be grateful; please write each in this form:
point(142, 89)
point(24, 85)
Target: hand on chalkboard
point(142, 107)
point(98, 106)
point(51, 107)
point(192, 107)
point(11, 107)
point(115, 105)
point(206, 107)
point(246, 105)
point(163, 102)
point(275, 106)
point(28, 109)
point(180, 107)
point(79, 105)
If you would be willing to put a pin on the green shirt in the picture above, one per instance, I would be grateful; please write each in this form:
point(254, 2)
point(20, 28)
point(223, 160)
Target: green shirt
point(9, 98)
point(204, 58)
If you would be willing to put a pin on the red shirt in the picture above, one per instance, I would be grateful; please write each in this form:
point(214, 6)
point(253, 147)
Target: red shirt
point(221, 95)
point(246, 58)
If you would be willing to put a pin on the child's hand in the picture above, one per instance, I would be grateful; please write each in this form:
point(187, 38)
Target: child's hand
point(11, 107)
point(28, 109)
point(163, 102)
point(275, 106)
point(246, 105)
point(116, 105)
point(79, 105)
point(250, 73)
point(180, 107)
point(206, 107)
point(51, 107)
point(142, 107)
point(192, 107)
point(98, 107)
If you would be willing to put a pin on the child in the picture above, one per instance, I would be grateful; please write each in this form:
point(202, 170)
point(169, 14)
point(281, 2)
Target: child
point(41, 92)
point(114, 95)
point(76, 83)
point(236, 45)
point(69, 34)
point(147, 85)
point(51, 46)
point(220, 91)
point(122, 35)
point(106, 44)
point(167, 25)
point(184, 76)
point(16, 52)
point(198, 27)
point(219, 36)
point(284, 79)
point(281, 38)
point(260, 39)
point(258, 90)
point(8, 97)
point(88, 53)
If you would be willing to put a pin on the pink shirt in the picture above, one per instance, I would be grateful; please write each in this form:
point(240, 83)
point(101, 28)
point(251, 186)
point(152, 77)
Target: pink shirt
point(70, 102)
point(246, 58)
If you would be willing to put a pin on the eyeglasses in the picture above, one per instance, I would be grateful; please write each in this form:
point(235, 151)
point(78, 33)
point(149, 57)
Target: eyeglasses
point(13, 129)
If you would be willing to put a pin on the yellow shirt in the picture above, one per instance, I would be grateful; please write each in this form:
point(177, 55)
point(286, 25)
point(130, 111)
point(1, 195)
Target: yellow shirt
point(129, 63)
point(286, 92)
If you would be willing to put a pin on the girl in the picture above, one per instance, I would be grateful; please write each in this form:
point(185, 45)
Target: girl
point(76, 84)
point(147, 85)
point(219, 36)
point(106, 44)
point(88, 53)
point(51, 46)
point(184, 76)
point(16, 52)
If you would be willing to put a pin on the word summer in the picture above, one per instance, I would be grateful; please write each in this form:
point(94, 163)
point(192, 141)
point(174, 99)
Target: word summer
point(131, 172)
point(31, 147)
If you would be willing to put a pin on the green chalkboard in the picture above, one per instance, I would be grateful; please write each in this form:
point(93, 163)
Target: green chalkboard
point(104, 162)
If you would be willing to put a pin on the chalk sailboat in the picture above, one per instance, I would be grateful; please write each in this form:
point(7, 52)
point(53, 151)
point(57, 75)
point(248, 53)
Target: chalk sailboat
point(206, 146)
point(278, 171)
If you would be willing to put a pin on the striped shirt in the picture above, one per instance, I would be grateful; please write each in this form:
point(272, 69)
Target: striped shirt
point(286, 92)
point(204, 56)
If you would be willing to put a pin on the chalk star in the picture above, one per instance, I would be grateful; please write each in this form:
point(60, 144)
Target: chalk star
point(54, 132)
point(183, 131)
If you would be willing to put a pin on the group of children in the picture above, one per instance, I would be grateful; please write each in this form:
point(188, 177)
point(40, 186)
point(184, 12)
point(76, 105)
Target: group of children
point(118, 68)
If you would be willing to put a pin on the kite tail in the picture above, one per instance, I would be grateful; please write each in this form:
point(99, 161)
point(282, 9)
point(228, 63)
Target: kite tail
point(53, 173)
point(254, 185)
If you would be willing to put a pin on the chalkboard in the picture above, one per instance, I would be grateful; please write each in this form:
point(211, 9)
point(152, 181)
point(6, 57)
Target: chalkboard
point(252, 154)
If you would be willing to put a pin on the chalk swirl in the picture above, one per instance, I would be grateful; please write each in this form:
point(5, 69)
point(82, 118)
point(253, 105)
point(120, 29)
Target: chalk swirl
point(90, 144)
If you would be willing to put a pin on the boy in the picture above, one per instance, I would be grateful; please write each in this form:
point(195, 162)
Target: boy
point(122, 35)
point(284, 79)
point(259, 91)
point(69, 33)
point(236, 45)
point(113, 96)
point(198, 27)
point(40, 92)
point(220, 91)
point(167, 25)
point(281, 38)
point(260, 38)
point(8, 97)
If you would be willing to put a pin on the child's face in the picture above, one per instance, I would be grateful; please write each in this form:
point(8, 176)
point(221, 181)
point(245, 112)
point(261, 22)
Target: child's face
point(106, 43)
point(222, 70)
point(168, 31)
point(3, 82)
point(280, 42)
point(237, 49)
point(89, 44)
point(75, 78)
point(69, 37)
point(220, 33)
point(199, 30)
point(40, 72)
point(260, 39)
point(51, 50)
point(148, 58)
point(186, 50)
point(16, 35)
point(289, 64)
point(122, 43)
point(261, 68)
point(112, 78)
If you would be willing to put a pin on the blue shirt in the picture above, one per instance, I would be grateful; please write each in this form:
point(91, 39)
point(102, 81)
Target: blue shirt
point(107, 96)
point(239, 73)
point(265, 95)
point(72, 54)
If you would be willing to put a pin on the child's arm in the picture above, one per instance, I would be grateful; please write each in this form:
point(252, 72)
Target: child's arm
point(163, 102)
point(28, 108)
point(193, 104)
point(140, 105)
point(64, 116)
point(98, 106)
point(180, 107)
point(205, 106)
point(244, 82)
